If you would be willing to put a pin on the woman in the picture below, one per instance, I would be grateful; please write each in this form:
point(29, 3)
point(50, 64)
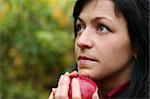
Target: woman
point(111, 47)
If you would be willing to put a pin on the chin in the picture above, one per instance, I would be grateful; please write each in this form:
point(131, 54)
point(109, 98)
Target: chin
point(84, 72)
point(90, 74)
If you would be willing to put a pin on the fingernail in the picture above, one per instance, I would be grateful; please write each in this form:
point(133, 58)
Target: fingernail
point(66, 78)
point(61, 77)
point(67, 73)
point(74, 80)
point(75, 73)
point(54, 90)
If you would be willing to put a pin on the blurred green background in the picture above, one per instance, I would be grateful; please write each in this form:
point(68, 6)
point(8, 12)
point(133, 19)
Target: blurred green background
point(36, 46)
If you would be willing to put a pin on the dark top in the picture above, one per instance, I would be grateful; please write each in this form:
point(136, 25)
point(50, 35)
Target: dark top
point(117, 91)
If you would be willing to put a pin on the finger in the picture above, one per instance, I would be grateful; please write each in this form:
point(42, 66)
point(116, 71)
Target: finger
point(67, 74)
point(54, 90)
point(60, 82)
point(63, 88)
point(95, 95)
point(51, 96)
point(75, 89)
point(75, 73)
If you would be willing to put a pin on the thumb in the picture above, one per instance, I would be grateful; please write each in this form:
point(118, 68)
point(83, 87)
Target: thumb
point(95, 94)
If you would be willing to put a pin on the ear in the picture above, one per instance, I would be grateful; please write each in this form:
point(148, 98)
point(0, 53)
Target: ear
point(135, 56)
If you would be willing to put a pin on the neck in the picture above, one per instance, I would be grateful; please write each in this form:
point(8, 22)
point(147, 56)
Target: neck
point(115, 80)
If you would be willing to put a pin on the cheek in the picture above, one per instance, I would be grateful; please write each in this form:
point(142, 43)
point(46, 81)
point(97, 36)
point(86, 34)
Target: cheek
point(121, 52)
point(114, 55)
point(118, 47)
point(76, 50)
point(118, 54)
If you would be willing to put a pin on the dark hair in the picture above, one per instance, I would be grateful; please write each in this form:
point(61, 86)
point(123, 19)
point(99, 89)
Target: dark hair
point(136, 13)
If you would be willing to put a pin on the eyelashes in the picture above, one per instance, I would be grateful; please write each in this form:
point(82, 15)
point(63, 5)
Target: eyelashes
point(79, 28)
point(101, 29)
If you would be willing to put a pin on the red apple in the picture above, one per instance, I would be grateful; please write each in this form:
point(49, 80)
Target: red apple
point(87, 86)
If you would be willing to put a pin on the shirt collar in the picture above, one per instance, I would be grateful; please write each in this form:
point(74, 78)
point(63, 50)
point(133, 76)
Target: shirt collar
point(117, 91)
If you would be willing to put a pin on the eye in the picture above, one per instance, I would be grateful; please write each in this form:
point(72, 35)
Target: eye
point(80, 28)
point(103, 28)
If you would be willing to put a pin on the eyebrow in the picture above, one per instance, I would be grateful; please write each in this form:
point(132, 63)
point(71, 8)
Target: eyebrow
point(80, 20)
point(95, 19)
point(98, 18)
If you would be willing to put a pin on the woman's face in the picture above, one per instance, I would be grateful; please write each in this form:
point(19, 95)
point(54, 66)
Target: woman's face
point(102, 46)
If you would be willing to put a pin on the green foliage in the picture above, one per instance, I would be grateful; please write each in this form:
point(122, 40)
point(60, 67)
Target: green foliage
point(36, 46)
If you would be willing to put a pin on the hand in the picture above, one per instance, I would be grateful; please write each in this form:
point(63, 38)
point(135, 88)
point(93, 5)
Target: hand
point(95, 95)
point(61, 92)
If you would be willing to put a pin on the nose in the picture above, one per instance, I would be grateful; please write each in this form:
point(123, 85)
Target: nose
point(84, 40)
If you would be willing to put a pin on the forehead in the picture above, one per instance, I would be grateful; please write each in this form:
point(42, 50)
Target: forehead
point(98, 3)
point(99, 7)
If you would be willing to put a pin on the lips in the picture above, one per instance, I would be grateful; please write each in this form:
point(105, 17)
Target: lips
point(86, 58)
point(86, 63)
